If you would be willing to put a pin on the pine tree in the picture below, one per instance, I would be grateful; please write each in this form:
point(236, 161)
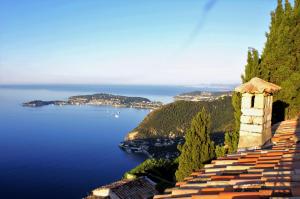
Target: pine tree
point(198, 148)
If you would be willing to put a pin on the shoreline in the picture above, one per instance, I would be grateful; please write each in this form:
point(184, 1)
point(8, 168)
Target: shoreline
point(101, 99)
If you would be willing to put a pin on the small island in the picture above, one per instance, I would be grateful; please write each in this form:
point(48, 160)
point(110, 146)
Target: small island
point(100, 99)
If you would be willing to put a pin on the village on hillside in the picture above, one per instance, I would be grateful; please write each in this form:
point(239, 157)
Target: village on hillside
point(197, 96)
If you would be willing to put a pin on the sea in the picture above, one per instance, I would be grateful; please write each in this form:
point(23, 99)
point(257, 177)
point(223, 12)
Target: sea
point(66, 151)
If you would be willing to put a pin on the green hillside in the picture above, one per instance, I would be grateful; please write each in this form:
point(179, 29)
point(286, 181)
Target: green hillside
point(173, 119)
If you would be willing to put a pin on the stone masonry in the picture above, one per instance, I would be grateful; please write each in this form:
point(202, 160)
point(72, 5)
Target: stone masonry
point(256, 108)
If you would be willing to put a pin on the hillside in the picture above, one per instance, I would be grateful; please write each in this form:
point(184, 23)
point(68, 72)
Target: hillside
point(173, 119)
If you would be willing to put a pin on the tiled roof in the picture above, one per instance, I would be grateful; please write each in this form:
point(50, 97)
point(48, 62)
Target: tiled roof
point(136, 189)
point(115, 184)
point(257, 85)
point(140, 188)
point(261, 173)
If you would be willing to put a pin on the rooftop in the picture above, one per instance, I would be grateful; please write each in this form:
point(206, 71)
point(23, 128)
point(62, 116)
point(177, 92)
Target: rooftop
point(261, 173)
point(139, 188)
point(257, 85)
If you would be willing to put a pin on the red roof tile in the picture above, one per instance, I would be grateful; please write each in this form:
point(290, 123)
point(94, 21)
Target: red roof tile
point(262, 173)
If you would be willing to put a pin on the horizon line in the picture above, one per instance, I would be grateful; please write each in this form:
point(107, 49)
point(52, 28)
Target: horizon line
point(116, 84)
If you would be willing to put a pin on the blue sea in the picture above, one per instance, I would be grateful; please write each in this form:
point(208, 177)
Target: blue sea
point(66, 151)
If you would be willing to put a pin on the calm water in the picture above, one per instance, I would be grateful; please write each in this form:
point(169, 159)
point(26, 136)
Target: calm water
point(64, 152)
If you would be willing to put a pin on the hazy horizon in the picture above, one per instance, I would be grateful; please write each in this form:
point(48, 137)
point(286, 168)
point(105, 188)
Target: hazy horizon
point(120, 84)
point(172, 42)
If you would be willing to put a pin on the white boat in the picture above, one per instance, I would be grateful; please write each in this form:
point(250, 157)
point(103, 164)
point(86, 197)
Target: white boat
point(128, 150)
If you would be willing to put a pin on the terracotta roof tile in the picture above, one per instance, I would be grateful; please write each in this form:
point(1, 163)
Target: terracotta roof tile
point(257, 85)
point(134, 189)
point(261, 173)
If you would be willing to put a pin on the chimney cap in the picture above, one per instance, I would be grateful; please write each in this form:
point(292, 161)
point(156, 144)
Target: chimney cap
point(257, 86)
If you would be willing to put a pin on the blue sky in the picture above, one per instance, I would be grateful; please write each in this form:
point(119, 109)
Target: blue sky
point(129, 41)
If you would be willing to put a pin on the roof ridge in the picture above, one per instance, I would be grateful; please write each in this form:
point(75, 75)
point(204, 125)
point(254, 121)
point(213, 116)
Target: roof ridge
point(257, 85)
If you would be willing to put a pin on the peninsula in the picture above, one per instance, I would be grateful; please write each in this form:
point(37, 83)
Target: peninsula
point(100, 99)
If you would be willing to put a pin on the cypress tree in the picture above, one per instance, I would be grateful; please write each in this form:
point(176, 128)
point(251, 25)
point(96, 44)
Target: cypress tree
point(280, 61)
point(252, 68)
point(297, 3)
point(296, 35)
point(270, 56)
point(290, 94)
point(281, 58)
point(220, 151)
point(232, 138)
point(198, 148)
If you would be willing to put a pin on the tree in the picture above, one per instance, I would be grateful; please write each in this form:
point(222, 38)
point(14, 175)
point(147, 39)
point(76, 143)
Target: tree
point(231, 141)
point(198, 148)
point(161, 171)
point(279, 62)
point(290, 94)
point(233, 138)
point(252, 68)
point(220, 151)
point(296, 35)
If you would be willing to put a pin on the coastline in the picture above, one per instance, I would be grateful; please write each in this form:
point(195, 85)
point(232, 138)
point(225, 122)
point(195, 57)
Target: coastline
point(101, 99)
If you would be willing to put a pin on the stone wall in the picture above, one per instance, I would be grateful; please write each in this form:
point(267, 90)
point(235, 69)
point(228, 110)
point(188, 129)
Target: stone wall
point(255, 129)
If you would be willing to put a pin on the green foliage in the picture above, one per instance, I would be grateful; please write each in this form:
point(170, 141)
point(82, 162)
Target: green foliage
point(220, 151)
point(252, 69)
point(198, 148)
point(230, 144)
point(231, 141)
point(161, 171)
point(175, 118)
point(290, 94)
point(279, 62)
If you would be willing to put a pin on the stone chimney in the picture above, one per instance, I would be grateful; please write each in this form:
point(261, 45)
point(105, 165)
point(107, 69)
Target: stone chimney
point(256, 108)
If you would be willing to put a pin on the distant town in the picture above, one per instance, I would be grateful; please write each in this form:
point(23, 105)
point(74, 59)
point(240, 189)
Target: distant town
point(154, 147)
point(201, 96)
point(100, 99)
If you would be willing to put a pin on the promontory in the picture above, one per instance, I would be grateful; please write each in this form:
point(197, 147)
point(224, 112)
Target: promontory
point(100, 99)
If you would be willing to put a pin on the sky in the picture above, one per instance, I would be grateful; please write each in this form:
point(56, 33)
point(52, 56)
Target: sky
point(153, 42)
